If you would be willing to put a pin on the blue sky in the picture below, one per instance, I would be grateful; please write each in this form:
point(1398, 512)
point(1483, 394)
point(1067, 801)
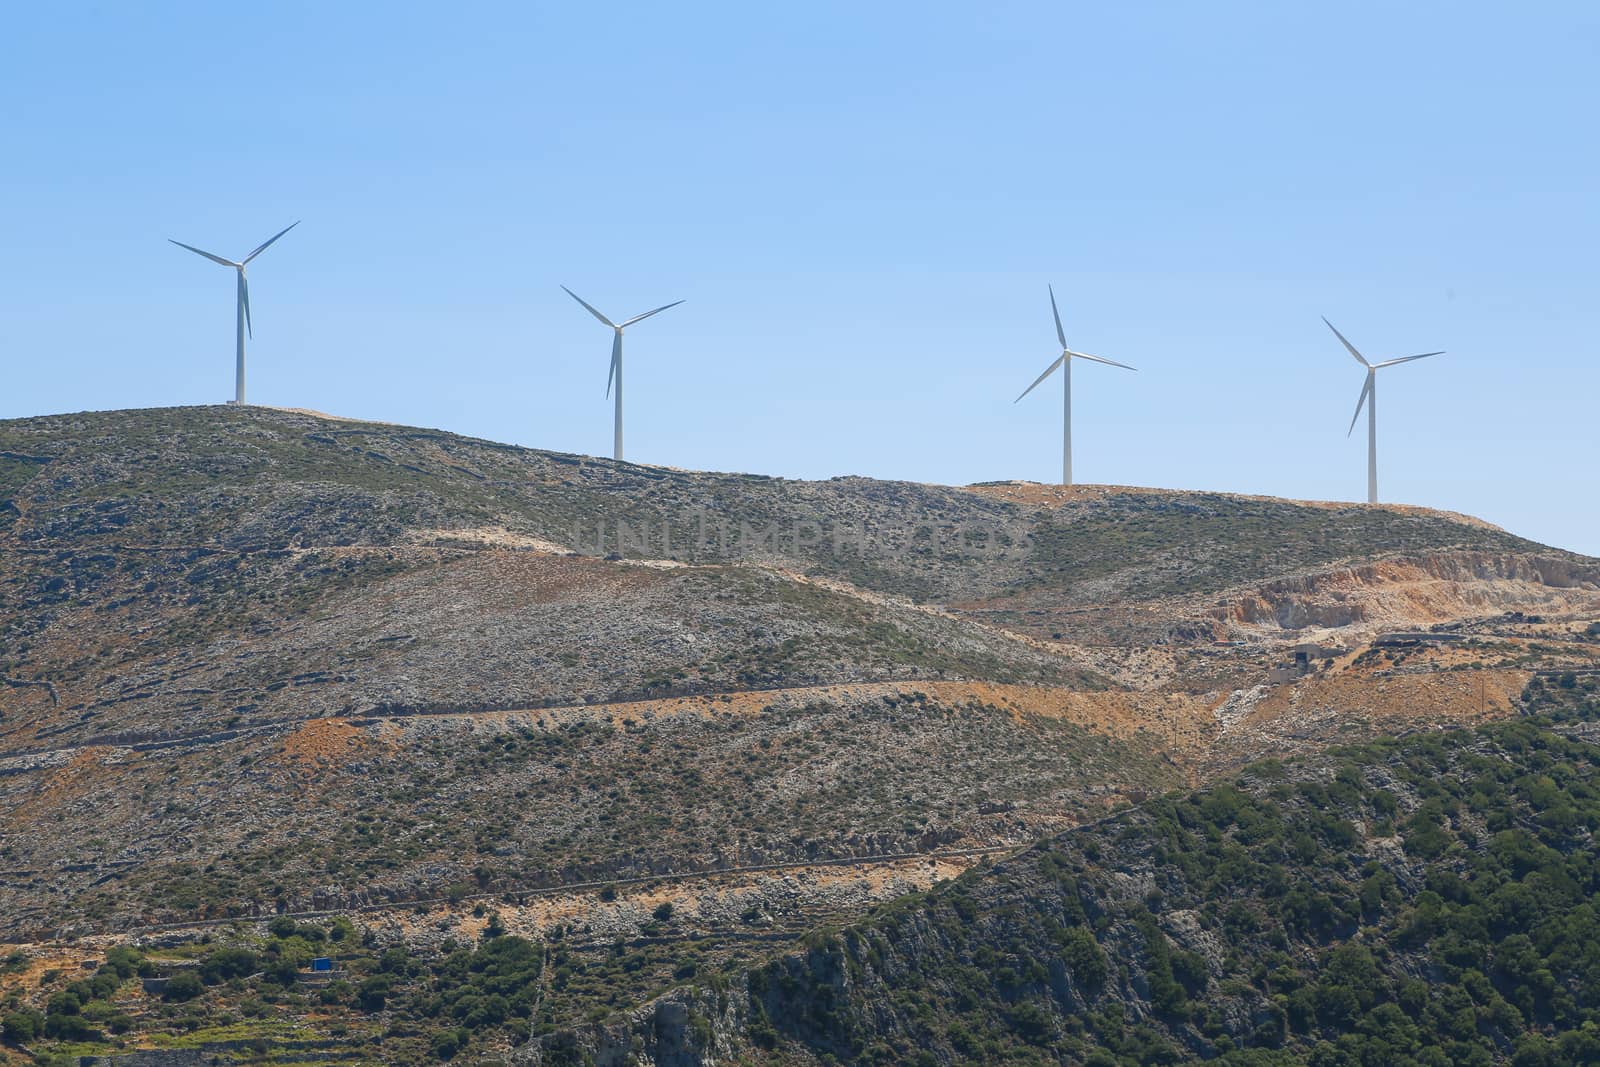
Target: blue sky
point(861, 205)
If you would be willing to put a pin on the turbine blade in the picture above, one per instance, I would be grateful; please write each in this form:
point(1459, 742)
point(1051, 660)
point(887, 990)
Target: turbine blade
point(616, 357)
point(586, 304)
point(1366, 390)
point(1100, 359)
point(208, 255)
point(244, 298)
point(1059, 360)
point(647, 314)
point(262, 247)
point(1406, 359)
point(1359, 357)
point(1060, 333)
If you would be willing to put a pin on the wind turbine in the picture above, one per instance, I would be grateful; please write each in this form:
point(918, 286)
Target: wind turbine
point(616, 356)
point(1064, 361)
point(242, 315)
point(1369, 397)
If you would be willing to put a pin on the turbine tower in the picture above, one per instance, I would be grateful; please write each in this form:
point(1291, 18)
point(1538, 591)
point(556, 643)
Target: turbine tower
point(1369, 397)
point(1064, 361)
point(242, 313)
point(616, 357)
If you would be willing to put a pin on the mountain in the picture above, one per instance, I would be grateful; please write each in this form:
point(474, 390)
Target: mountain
point(258, 663)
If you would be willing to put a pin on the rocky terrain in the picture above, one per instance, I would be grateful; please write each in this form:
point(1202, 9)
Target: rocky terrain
point(1410, 902)
point(258, 662)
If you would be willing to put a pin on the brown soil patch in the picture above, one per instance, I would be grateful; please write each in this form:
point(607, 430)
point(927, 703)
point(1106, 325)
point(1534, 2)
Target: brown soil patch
point(1457, 697)
point(65, 784)
point(322, 744)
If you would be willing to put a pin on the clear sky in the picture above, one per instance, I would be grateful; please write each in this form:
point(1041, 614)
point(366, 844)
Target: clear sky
point(862, 205)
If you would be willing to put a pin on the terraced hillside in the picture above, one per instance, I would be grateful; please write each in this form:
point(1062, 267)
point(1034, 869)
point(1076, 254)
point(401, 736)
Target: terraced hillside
point(257, 662)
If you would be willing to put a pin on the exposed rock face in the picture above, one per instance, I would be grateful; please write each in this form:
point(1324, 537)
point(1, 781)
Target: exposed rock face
point(1417, 591)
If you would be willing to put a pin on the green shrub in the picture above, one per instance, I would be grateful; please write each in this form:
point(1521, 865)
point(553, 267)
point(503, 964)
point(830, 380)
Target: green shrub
point(124, 961)
point(446, 1043)
point(70, 1028)
point(22, 1026)
point(1085, 960)
point(373, 992)
point(185, 985)
point(65, 1002)
point(220, 964)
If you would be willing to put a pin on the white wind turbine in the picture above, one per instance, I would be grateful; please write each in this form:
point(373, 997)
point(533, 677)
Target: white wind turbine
point(1369, 397)
point(1064, 361)
point(242, 313)
point(616, 357)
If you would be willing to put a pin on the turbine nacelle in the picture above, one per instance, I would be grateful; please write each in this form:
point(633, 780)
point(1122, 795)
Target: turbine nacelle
point(1372, 371)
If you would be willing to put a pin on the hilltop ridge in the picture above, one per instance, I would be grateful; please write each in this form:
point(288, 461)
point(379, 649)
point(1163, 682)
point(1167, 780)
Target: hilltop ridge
point(1040, 493)
point(422, 564)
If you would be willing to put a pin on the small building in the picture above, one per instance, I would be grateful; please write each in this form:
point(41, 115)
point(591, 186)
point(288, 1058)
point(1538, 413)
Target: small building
point(322, 963)
point(1305, 662)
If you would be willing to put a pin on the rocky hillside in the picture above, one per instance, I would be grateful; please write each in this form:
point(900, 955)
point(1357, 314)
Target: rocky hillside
point(1409, 902)
point(179, 570)
point(260, 663)
point(1414, 902)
